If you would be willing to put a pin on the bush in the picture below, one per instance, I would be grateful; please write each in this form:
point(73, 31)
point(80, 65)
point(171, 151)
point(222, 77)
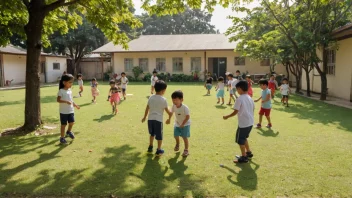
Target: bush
point(147, 77)
point(137, 71)
point(182, 78)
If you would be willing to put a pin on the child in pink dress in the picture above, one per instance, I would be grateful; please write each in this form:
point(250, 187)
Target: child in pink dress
point(114, 96)
point(250, 83)
point(95, 90)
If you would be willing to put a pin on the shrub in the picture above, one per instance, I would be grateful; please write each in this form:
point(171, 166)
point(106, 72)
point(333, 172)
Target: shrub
point(137, 71)
point(147, 77)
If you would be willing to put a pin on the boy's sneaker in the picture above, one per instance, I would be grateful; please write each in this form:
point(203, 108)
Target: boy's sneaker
point(63, 140)
point(70, 134)
point(259, 126)
point(269, 126)
point(185, 153)
point(150, 149)
point(249, 155)
point(159, 152)
point(241, 159)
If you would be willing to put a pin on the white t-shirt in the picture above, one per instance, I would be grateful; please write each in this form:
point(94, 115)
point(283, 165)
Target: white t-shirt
point(180, 114)
point(67, 96)
point(124, 82)
point(245, 106)
point(234, 83)
point(157, 105)
point(229, 82)
point(153, 80)
point(285, 89)
point(221, 86)
point(80, 82)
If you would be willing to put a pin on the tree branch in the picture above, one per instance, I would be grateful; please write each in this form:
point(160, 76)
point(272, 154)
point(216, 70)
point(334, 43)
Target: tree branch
point(26, 2)
point(59, 3)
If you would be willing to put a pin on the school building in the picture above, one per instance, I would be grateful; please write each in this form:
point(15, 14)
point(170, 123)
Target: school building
point(176, 54)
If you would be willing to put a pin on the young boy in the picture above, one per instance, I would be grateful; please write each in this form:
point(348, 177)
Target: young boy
point(266, 103)
point(124, 82)
point(244, 108)
point(233, 87)
point(229, 83)
point(156, 106)
point(153, 79)
point(272, 85)
point(285, 91)
point(182, 121)
point(80, 84)
point(238, 75)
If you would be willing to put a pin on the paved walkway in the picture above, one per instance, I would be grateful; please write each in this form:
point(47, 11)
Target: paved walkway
point(14, 87)
point(330, 100)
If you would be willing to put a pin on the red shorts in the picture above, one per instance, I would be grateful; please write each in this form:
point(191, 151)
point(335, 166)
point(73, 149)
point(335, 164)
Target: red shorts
point(265, 112)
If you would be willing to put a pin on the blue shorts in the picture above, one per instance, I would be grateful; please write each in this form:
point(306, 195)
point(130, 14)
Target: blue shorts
point(155, 129)
point(183, 132)
point(67, 118)
point(209, 86)
point(220, 93)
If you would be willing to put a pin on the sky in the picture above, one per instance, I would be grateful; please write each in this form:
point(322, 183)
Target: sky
point(219, 18)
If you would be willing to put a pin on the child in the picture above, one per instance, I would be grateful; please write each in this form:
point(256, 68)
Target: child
point(157, 104)
point(80, 84)
point(229, 82)
point(153, 80)
point(208, 84)
point(250, 83)
point(182, 121)
point(114, 96)
point(233, 87)
point(266, 103)
point(95, 90)
point(220, 89)
point(285, 91)
point(64, 97)
point(244, 108)
point(272, 85)
point(124, 82)
point(238, 75)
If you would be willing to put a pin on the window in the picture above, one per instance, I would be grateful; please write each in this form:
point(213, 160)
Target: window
point(331, 62)
point(160, 64)
point(196, 64)
point(265, 62)
point(42, 67)
point(128, 64)
point(56, 66)
point(177, 64)
point(240, 61)
point(143, 63)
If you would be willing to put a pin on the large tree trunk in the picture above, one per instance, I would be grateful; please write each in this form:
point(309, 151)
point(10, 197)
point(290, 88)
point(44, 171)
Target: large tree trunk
point(308, 82)
point(33, 31)
point(322, 73)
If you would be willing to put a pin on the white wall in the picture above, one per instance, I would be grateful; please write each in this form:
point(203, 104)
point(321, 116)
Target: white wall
point(93, 69)
point(15, 68)
point(51, 74)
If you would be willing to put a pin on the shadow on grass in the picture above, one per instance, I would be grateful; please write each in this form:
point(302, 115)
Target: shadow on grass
point(206, 95)
point(268, 133)
point(318, 112)
point(221, 106)
point(247, 177)
point(85, 104)
point(46, 99)
point(103, 118)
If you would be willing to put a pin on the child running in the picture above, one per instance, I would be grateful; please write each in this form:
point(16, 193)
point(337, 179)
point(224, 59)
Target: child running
point(64, 97)
point(182, 121)
point(220, 89)
point(80, 84)
point(266, 104)
point(272, 85)
point(208, 84)
point(156, 106)
point(250, 83)
point(233, 88)
point(229, 82)
point(285, 91)
point(95, 90)
point(114, 96)
point(244, 108)
point(124, 82)
point(153, 79)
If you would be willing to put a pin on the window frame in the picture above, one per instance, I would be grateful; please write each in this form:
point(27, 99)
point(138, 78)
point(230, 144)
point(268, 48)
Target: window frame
point(59, 66)
point(144, 68)
point(125, 67)
point(173, 64)
point(196, 68)
point(238, 61)
point(331, 62)
point(264, 62)
point(158, 61)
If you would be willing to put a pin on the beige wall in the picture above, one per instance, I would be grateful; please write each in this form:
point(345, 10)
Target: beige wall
point(51, 74)
point(253, 67)
point(339, 85)
point(14, 68)
point(92, 70)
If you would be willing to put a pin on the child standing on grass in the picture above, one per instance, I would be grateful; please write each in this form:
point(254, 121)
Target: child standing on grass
point(124, 82)
point(266, 104)
point(244, 108)
point(285, 91)
point(272, 85)
point(208, 84)
point(80, 84)
point(229, 82)
point(182, 121)
point(114, 96)
point(153, 80)
point(156, 106)
point(64, 97)
point(233, 88)
point(220, 89)
point(250, 83)
point(95, 90)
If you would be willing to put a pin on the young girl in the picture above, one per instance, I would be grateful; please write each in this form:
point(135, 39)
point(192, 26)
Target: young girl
point(208, 84)
point(229, 82)
point(114, 96)
point(272, 85)
point(250, 83)
point(64, 97)
point(80, 84)
point(285, 91)
point(220, 89)
point(95, 90)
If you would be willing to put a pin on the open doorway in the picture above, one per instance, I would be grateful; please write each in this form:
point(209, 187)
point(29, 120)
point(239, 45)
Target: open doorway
point(217, 66)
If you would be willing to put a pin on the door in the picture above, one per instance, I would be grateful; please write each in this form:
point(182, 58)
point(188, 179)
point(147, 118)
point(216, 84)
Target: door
point(219, 67)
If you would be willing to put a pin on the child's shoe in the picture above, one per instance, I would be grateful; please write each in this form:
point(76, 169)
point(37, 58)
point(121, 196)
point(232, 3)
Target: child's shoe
point(63, 140)
point(185, 153)
point(241, 159)
point(249, 155)
point(159, 152)
point(70, 134)
point(259, 126)
point(269, 126)
point(177, 148)
point(150, 149)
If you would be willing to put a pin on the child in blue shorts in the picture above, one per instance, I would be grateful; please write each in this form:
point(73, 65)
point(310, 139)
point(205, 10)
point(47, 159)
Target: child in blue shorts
point(208, 84)
point(182, 121)
point(220, 89)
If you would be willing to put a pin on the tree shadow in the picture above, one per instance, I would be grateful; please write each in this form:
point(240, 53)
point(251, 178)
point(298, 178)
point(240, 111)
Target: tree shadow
point(268, 133)
point(247, 177)
point(47, 119)
point(221, 106)
point(46, 99)
point(207, 95)
point(85, 104)
point(103, 118)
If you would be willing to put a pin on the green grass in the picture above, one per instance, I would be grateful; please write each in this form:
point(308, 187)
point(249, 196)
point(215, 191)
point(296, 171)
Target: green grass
point(308, 152)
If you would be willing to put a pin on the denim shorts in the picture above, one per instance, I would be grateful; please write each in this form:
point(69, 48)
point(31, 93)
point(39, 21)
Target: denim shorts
point(183, 132)
point(67, 118)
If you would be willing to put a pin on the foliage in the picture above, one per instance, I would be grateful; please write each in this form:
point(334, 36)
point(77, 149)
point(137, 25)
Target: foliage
point(147, 77)
point(137, 71)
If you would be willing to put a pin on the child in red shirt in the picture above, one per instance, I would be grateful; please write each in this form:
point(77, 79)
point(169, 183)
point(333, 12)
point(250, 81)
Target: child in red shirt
point(272, 85)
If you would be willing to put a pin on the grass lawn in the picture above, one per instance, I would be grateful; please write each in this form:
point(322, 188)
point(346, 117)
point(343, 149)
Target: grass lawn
point(308, 152)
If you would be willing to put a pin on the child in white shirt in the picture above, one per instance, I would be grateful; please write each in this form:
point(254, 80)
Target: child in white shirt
point(153, 79)
point(124, 82)
point(285, 91)
point(220, 89)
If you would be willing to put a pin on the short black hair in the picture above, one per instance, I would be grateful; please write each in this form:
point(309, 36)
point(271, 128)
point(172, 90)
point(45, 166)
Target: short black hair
point(263, 82)
point(242, 85)
point(231, 75)
point(160, 85)
point(79, 75)
point(155, 72)
point(112, 82)
point(177, 94)
point(284, 79)
point(221, 78)
point(272, 75)
point(248, 76)
point(123, 73)
point(94, 79)
point(238, 71)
